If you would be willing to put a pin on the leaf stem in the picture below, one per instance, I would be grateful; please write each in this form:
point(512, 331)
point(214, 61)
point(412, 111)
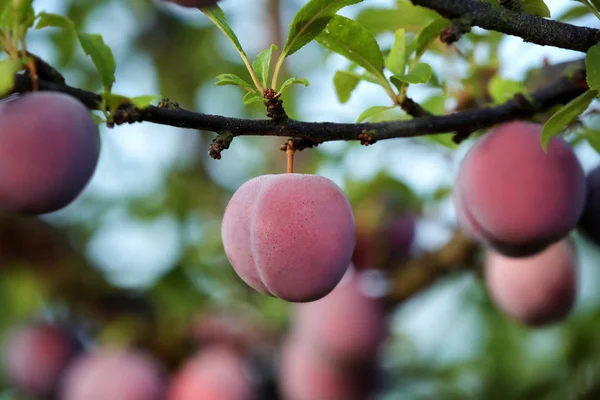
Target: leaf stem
point(260, 88)
point(278, 69)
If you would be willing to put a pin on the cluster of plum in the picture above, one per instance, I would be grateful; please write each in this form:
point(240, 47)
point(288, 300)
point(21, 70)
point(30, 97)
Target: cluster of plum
point(44, 360)
point(294, 236)
point(333, 347)
point(49, 149)
point(330, 353)
point(522, 202)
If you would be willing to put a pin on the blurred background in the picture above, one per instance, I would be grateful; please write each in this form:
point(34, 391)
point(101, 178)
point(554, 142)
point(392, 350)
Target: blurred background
point(138, 260)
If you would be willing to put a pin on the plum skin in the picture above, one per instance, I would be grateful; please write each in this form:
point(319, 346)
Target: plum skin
point(345, 327)
point(49, 148)
point(217, 372)
point(536, 290)
point(36, 356)
point(305, 375)
point(513, 196)
point(290, 235)
point(589, 224)
point(113, 374)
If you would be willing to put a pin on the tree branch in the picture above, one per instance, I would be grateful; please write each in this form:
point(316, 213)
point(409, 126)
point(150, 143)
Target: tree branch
point(309, 134)
point(420, 273)
point(530, 27)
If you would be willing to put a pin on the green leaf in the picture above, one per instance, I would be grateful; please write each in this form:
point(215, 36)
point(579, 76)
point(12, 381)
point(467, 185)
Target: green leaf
point(596, 4)
point(102, 57)
point(8, 69)
point(436, 104)
point(292, 81)
point(573, 13)
point(431, 32)
point(396, 60)
point(405, 16)
point(503, 90)
point(232, 79)
point(369, 112)
point(23, 12)
point(593, 138)
point(592, 64)
point(97, 119)
point(54, 21)
point(421, 73)
point(217, 16)
point(92, 44)
point(444, 139)
point(347, 38)
point(345, 82)
point(262, 64)
point(310, 22)
point(536, 7)
point(113, 100)
point(253, 97)
point(567, 114)
point(142, 102)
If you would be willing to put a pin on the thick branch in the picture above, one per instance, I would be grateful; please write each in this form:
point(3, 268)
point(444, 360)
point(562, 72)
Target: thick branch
point(421, 273)
point(531, 28)
point(560, 92)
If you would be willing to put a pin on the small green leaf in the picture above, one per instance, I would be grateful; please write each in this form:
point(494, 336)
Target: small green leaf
point(310, 21)
point(102, 57)
point(292, 81)
point(142, 102)
point(253, 97)
point(217, 16)
point(411, 47)
point(232, 79)
point(536, 7)
point(262, 64)
point(345, 82)
point(396, 60)
point(593, 138)
point(563, 117)
point(431, 32)
point(369, 112)
point(347, 38)
point(97, 119)
point(596, 4)
point(23, 12)
point(8, 69)
point(405, 15)
point(436, 104)
point(592, 64)
point(444, 139)
point(573, 13)
point(421, 73)
point(503, 90)
point(113, 100)
point(54, 21)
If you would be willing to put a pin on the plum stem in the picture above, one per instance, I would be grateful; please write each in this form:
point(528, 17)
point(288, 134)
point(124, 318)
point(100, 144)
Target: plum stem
point(290, 152)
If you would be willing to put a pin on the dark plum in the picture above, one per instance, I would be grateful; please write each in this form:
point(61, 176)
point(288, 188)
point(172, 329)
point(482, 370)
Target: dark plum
point(49, 149)
point(36, 356)
point(515, 197)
